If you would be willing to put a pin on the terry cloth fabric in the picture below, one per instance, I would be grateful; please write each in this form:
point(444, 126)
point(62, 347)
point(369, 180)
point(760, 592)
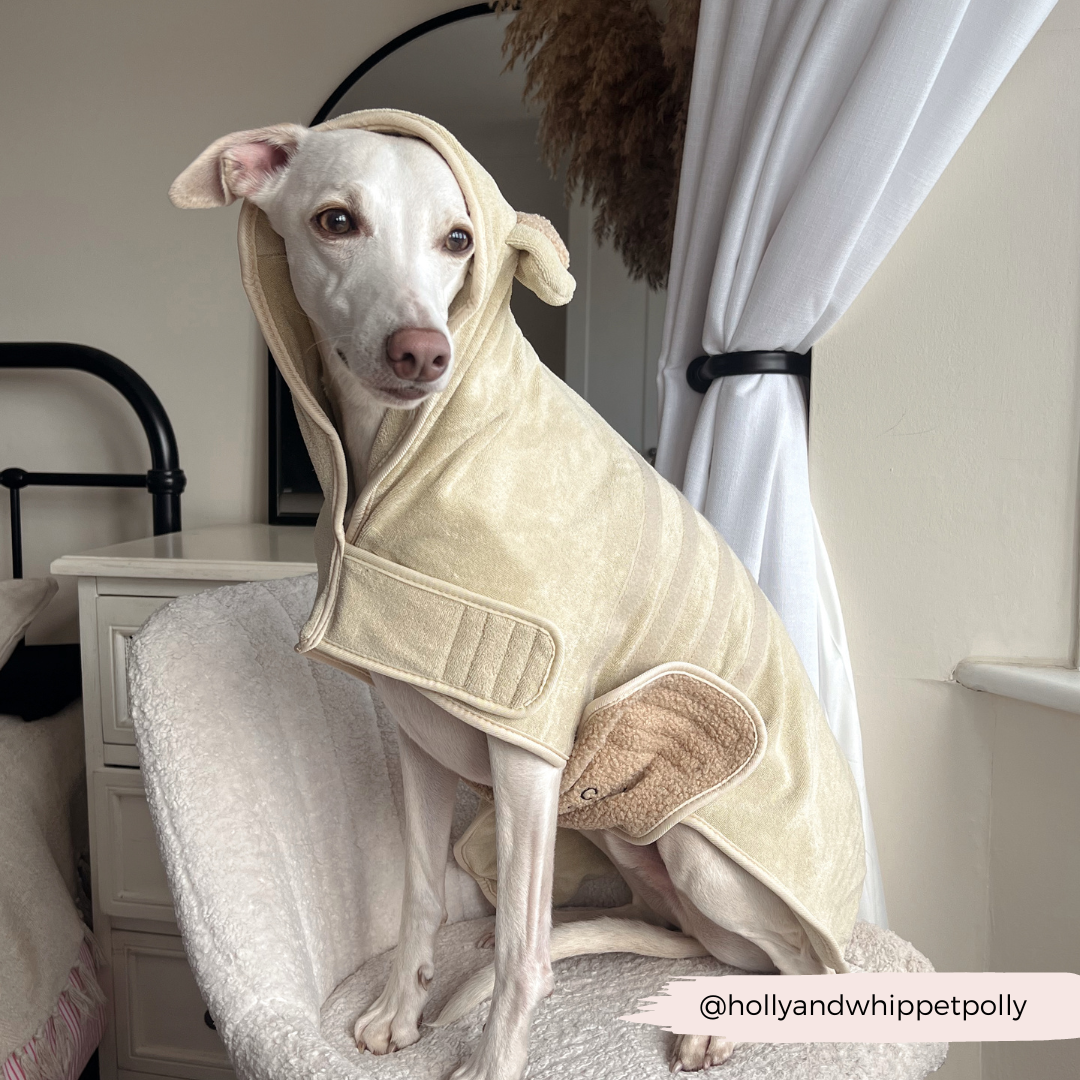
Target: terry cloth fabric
point(512, 557)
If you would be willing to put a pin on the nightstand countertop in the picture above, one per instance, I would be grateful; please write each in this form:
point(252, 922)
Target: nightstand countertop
point(217, 553)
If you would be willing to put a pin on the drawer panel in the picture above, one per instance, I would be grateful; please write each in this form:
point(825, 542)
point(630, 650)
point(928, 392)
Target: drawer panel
point(128, 876)
point(160, 1016)
point(118, 617)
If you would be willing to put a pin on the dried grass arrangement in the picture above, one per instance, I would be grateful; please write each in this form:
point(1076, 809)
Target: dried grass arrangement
point(612, 79)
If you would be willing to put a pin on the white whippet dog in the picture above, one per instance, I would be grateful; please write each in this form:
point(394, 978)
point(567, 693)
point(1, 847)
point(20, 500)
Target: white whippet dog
point(379, 239)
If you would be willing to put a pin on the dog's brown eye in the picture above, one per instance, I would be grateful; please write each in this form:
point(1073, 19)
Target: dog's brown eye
point(458, 240)
point(336, 221)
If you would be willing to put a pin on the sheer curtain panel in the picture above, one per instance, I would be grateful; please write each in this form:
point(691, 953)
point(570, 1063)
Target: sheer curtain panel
point(816, 128)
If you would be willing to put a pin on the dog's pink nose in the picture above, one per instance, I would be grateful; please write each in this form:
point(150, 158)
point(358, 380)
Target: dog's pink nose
point(418, 355)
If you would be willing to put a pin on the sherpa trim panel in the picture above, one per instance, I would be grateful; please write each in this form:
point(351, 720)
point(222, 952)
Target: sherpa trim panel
point(649, 752)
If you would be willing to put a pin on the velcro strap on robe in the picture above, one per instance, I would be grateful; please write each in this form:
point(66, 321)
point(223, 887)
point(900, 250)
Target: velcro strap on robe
point(398, 622)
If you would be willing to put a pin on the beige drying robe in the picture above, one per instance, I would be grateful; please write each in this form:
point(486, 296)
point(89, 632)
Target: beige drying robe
point(515, 560)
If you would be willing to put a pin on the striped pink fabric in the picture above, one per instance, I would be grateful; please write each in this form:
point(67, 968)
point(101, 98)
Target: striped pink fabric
point(71, 1034)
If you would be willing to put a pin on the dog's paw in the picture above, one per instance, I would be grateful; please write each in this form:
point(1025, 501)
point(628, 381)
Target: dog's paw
point(492, 1066)
point(692, 1053)
point(387, 1026)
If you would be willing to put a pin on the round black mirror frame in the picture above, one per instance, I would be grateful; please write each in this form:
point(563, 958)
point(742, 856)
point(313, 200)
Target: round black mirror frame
point(282, 429)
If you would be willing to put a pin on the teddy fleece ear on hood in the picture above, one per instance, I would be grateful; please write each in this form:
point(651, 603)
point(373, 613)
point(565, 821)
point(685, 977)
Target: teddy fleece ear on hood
point(543, 261)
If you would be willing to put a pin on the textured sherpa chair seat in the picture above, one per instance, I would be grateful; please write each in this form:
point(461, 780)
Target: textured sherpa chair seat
point(276, 794)
point(577, 1033)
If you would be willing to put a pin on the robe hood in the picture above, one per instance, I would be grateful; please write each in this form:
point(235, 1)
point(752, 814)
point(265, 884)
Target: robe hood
point(515, 560)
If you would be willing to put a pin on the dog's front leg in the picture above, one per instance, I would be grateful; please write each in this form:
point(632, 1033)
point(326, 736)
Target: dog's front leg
point(429, 788)
point(526, 806)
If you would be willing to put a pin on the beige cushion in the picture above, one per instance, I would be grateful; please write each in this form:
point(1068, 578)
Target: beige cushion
point(21, 601)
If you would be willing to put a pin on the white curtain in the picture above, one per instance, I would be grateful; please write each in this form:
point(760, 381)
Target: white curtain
point(816, 128)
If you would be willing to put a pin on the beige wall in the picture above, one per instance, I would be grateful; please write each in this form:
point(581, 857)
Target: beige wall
point(1034, 868)
point(944, 455)
point(101, 105)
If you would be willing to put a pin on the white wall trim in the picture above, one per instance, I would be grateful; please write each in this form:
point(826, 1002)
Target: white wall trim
point(1054, 687)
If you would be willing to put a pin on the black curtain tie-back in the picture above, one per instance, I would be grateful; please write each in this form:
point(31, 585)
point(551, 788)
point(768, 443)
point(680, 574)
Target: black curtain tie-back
point(702, 371)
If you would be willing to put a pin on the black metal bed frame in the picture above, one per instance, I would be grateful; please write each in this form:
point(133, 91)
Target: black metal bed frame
point(164, 480)
point(39, 680)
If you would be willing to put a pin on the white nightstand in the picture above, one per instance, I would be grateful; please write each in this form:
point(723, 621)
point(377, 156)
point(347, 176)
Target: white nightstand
point(158, 1025)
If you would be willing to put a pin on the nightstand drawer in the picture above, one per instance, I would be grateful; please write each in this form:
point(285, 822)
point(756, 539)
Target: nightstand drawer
point(129, 876)
point(118, 617)
point(160, 1016)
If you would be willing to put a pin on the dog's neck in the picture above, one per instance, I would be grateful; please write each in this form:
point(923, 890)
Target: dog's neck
point(357, 414)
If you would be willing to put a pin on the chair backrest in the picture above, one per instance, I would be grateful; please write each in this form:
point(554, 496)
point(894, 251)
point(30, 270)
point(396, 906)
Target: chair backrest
point(271, 783)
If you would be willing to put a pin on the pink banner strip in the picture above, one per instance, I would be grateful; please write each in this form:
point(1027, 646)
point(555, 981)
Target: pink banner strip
point(877, 1007)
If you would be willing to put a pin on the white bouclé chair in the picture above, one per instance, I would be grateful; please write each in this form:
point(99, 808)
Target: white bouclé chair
point(276, 795)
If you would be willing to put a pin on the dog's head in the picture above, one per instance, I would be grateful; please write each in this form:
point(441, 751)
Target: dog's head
point(378, 239)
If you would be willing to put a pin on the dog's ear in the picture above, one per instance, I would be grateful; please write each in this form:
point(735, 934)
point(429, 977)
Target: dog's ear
point(236, 166)
point(542, 259)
